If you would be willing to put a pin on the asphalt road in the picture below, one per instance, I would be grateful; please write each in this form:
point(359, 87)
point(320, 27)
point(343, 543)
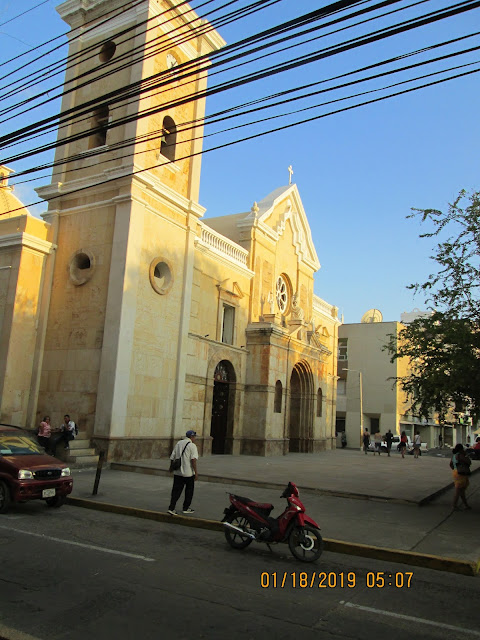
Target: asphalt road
point(73, 574)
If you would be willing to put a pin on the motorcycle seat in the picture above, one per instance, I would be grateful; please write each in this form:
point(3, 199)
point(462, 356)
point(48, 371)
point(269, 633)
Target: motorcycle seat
point(264, 506)
point(255, 505)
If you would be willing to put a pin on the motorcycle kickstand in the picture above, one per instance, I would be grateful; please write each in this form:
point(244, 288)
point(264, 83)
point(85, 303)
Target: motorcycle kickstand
point(270, 548)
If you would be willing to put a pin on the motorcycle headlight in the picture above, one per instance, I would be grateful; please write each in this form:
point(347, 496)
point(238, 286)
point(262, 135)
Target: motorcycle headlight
point(25, 474)
point(66, 472)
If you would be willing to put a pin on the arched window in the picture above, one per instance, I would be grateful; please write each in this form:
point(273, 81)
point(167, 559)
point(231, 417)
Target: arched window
point(168, 139)
point(319, 403)
point(99, 127)
point(277, 405)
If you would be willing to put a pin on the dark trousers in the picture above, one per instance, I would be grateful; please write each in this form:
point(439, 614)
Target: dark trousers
point(178, 483)
point(46, 443)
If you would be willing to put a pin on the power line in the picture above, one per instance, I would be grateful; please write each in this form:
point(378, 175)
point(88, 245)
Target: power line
point(248, 138)
point(80, 56)
point(259, 5)
point(191, 125)
point(106, 98)
point(307, 59)
point(182, 127)
point(19, 15)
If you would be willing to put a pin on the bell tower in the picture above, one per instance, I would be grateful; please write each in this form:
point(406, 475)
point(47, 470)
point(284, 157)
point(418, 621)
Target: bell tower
point(123, 203)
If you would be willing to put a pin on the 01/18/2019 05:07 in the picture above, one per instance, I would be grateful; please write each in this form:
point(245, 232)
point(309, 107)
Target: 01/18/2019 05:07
point(332, 580)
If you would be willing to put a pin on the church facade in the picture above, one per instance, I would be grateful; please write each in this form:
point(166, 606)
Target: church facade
point(129, 310)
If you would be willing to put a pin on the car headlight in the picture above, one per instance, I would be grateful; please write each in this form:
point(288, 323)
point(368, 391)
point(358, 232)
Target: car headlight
point(66, 472)
point(25, 474)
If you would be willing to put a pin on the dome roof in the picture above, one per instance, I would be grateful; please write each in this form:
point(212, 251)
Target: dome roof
point(10, 205)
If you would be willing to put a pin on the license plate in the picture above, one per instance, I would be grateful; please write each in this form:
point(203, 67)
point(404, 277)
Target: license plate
point(48, 493)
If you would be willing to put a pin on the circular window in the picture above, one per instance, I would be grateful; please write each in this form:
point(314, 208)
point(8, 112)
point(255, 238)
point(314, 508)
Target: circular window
point(282, 294)
point(107, 51)
point(81, 267)
point(161, 277)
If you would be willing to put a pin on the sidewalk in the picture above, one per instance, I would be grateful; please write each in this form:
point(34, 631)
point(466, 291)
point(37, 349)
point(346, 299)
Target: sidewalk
point(365, 505)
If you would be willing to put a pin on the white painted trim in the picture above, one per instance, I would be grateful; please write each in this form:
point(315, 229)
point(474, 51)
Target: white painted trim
point(153, 182)
point(66, 188)
point(325, 309)
point(27, 240)
point(165, 163)
point(223, 249)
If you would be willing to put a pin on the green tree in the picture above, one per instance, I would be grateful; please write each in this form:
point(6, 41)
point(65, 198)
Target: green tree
point(444, 348)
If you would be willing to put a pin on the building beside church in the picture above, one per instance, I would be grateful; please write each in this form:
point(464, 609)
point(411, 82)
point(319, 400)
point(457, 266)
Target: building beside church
point(367, 397)
point(124, 306)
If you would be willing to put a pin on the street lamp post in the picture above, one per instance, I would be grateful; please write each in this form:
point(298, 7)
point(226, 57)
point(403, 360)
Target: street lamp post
point(361, 402)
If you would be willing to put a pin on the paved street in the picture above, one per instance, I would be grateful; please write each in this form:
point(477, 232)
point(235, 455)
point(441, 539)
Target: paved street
point(72, 574)
point(390, 519)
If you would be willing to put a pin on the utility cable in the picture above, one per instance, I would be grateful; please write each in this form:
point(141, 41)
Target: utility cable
point(219, 116)
point(205, 58)
point(2, 24)
point(280, 68)
point(248, 138)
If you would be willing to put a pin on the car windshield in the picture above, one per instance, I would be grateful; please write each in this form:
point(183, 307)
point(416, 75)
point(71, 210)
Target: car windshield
point(16, 444)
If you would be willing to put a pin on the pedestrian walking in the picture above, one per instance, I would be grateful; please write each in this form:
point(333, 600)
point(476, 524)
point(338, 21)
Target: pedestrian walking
point(366, 441)
point(343, 439)
point(388, 437)
point(417, 443)
point(186, 451)
point(403, 443)
point(440, 441)
point(378, 442)
point(460, 465)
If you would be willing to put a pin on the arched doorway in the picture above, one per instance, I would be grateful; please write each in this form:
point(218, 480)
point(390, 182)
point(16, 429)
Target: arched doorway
point(300, 420)
point(223, 404)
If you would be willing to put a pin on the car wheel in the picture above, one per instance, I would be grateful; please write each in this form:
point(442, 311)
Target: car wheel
point(55, 502)
point(5, 498)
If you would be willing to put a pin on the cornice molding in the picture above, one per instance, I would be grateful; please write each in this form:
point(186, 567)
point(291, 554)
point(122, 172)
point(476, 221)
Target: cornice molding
point(168, 194)
point(27, 240)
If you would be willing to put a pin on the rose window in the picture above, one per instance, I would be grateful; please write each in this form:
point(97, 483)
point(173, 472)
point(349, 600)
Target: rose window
point(282, 294)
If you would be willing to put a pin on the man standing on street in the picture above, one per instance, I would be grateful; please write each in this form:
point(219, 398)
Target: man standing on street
point(366, 441)
point(388, 439)
point(417, 443)
point(186, 450)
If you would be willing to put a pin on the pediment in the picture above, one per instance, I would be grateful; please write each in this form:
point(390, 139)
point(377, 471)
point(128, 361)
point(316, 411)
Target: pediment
point(281, 207)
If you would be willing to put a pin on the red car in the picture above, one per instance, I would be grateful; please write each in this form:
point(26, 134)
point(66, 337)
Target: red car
point(28, 473)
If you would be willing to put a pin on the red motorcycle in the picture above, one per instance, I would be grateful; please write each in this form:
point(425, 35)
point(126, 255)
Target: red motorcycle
point(246, 520)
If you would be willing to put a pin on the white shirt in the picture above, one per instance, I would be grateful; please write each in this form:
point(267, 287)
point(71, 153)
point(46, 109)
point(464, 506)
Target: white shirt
point(418, 439)
point(191, 453)
point(69, 427)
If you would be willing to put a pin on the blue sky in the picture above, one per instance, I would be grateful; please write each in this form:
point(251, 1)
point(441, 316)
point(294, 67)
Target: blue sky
point(358, 172)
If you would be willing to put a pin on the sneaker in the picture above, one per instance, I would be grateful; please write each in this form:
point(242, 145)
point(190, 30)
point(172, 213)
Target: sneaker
point(189, 510)
point(172, 512)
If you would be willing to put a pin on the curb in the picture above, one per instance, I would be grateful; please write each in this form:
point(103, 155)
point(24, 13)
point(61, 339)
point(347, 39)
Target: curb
point(155, 471)
point(426, 561)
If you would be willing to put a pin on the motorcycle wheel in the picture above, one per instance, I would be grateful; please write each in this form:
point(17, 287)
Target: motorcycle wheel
point(305, 543)
point(234, 538)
